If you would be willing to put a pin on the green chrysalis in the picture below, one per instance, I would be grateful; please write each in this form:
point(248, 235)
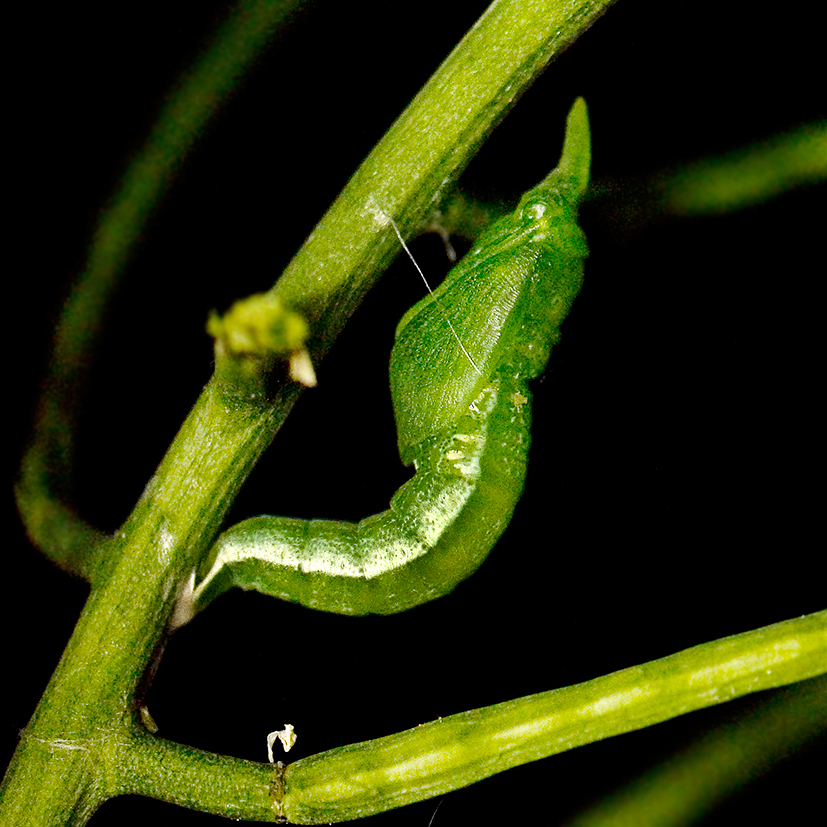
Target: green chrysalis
point(462, 414)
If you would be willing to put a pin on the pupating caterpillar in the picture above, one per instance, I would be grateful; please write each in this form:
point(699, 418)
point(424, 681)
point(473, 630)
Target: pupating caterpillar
point(462, 408)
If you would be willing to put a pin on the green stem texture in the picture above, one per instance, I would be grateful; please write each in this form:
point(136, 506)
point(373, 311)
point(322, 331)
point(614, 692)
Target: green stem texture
point(60, 774)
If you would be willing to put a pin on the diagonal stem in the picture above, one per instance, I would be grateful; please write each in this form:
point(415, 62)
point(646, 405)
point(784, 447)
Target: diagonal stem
point(53, 777)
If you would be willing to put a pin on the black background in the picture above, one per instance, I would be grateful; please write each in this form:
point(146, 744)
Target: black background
point(675, 480)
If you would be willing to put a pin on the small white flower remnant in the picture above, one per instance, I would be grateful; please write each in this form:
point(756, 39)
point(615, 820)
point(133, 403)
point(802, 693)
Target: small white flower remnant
point(301, 368)
point(147, 720)
point(287, 736)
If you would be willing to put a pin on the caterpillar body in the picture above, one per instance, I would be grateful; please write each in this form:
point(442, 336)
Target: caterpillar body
point(462, 408)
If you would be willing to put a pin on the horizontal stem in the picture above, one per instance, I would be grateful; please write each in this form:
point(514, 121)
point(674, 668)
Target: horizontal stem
point(721, 184)
point(748, 175)
point(189, 777)
point(373, 776)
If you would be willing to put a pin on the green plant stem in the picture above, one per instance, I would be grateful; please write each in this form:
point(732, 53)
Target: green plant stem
point(46, 471)
point(56, 776)
point(404, 177)
point(91, 697)
point(188, 777)
point(749, 175)
point(363, 779)
point(690, 784)
point(416, 163)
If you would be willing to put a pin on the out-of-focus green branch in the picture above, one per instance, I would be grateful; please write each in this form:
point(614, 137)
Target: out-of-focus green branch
point(690, 784)
point(749, 175)
point(45, 478)
point(736, 180)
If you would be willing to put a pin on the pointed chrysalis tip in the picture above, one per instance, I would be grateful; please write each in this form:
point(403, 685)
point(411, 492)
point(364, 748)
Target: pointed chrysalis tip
point(572, 172)
point(577, 148)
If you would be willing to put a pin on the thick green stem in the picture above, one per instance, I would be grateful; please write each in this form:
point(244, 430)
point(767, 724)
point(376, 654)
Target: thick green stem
point(55, 776)
point(415, 164)
point(231, 787)
point(91, 696)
